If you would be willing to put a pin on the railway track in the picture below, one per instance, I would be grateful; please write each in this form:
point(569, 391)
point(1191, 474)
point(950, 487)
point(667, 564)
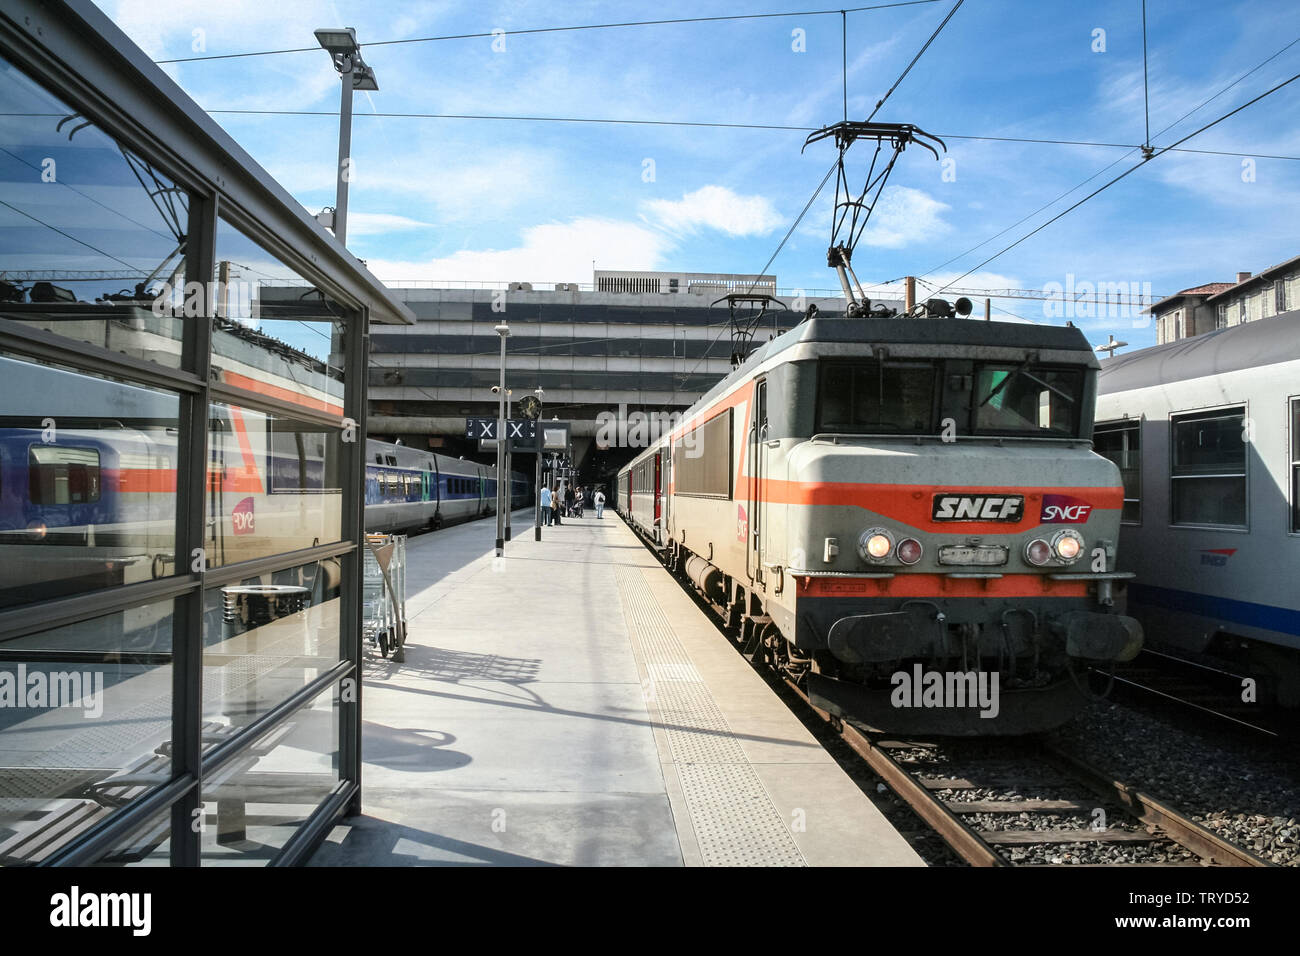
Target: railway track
point(1096, 809)
point(1208, 693)
point(1091, 809)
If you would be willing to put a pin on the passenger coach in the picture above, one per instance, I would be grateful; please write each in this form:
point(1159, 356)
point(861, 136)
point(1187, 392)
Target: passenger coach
point(1206, 432)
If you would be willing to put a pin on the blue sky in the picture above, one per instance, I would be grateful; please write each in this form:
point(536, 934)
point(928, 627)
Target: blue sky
point(438, 199)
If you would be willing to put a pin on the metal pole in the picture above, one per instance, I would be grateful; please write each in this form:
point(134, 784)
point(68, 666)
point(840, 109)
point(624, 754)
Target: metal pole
point(503, 331)
point(344, 170)
point(510, 498)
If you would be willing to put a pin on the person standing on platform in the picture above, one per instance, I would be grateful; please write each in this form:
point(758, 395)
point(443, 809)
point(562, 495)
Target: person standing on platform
point(555, 507)
point(569, 498)
point(546, 505)
point(600, 503)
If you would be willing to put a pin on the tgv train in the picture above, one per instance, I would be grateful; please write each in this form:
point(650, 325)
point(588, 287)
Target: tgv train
point(89, 501)
point(1206, 432)
point(903, 515)
point(408, 489)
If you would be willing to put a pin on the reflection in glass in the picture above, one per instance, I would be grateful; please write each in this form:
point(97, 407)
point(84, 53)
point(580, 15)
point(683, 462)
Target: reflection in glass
point(147, 845)
point(872, 398)
point(1020, 399)
point(274, 484)
point(276, 333)
point(256, 801)
point(84, 220)
point(1208, 483)
point(87, 482)
point(85, 726)
point(264, 638)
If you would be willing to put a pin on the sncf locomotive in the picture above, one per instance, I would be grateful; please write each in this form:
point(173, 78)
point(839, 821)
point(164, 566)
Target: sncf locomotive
point(896, 512)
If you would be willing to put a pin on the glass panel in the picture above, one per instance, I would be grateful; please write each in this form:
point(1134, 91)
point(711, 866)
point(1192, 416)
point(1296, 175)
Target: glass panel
point(148, 845)
point(84, 220)
point(263, 639)
point(1011, 400)
point(1209, 444)
point(87, 482)
point(85, 726)
point(275, 333)
point(1219, 501)
point(254, 802)
point(871, 398)
point(274, 484)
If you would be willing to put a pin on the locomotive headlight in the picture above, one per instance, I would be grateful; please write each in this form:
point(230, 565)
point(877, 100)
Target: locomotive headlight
point(1067, 545)
point(875, 544)
point(1038, 552)
point(909, 551)
point(36, 530)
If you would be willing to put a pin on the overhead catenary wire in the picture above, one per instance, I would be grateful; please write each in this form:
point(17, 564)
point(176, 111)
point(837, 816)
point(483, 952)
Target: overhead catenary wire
point(1145, 159)
point(616, 121)
point(560, 29)
point(1257, 67)
point(919, 54)
point(770, 259)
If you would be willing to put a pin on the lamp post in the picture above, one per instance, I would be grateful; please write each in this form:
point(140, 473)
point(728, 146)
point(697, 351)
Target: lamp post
point(502, 330)
point(343, 49)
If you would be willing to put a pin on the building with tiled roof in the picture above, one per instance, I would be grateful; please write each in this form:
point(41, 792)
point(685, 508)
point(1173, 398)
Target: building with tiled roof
point(1217, 305)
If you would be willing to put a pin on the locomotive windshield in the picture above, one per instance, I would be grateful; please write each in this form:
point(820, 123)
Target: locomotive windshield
point(874, 397)
point(1026, 399)
point(912, 397)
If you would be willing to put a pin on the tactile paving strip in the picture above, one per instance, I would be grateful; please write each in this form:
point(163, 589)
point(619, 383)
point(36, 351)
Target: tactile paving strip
point(731, 813)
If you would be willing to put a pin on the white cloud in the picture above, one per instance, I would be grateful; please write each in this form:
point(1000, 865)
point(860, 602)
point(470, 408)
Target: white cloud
point(905, 215)
point(714, 207)
point(379, 223)
point(552, 252)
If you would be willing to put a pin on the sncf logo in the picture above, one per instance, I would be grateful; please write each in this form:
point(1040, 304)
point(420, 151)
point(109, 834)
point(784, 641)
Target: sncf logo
point(1059, 509)
point(950, 507)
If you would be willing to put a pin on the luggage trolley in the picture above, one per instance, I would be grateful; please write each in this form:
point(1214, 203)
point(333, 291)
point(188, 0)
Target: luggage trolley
point(384, 594)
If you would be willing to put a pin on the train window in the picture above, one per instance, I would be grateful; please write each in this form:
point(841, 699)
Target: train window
point(1295, 465)
point(702, 460)
point(62, 475)
point(1027, 399)
point(1121, 442)
point(1208, 479)
point(873, 397)
point(302, 458)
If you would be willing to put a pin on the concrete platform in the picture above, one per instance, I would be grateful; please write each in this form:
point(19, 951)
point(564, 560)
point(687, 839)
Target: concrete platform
point(570, 705)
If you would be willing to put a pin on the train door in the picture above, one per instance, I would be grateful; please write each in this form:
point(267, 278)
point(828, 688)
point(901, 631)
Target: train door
point(757, 480)
point(658, 491)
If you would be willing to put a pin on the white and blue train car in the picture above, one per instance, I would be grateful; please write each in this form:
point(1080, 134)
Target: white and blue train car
point(1206, 432)
point(408, 489)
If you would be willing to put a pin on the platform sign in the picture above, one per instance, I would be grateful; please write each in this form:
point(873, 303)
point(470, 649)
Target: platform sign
point(555, 436)
point(485, 429)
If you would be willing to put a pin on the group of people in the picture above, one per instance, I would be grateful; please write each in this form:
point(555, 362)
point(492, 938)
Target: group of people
point(569, 503)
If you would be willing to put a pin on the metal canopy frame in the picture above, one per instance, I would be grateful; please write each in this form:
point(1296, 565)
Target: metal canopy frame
point(72, 50)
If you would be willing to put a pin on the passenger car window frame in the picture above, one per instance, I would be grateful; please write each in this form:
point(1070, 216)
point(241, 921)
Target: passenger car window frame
point(1234, 409)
